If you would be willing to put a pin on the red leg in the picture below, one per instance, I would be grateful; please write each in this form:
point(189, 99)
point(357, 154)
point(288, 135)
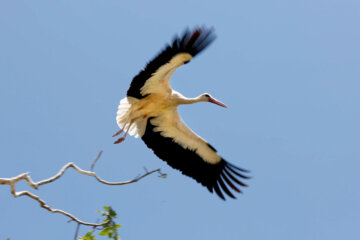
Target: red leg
point(117, 133)
point(123, 138)
point(121, 130)
point(119, 140)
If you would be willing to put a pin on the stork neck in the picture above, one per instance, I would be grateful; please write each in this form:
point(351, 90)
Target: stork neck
point(185, 100)
point(179, 99)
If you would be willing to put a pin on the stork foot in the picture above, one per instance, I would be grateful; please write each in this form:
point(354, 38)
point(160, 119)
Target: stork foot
point(117, 133)
point(119, 140)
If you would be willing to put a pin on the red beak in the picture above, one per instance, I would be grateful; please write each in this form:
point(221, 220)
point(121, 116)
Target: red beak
point(217, 102)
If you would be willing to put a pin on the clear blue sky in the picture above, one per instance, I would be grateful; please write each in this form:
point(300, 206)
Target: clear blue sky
point(288, 70)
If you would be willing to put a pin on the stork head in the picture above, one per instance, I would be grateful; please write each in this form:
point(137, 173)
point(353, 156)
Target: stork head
point(208, 98)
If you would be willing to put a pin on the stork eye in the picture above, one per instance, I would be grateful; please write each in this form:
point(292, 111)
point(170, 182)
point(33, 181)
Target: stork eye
point(207, 95)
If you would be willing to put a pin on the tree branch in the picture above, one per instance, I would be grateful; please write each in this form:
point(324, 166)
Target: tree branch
point(26, 176)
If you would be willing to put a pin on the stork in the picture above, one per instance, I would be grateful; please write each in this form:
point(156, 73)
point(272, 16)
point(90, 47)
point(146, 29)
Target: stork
point(150, 111)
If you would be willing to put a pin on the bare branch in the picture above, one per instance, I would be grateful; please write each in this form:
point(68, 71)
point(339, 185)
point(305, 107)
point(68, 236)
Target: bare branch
point(77, 231)
point(26, 176)
point(130, 181)
point(95, 160)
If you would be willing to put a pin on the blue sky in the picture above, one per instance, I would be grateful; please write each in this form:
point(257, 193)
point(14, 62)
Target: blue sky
point(288, 70)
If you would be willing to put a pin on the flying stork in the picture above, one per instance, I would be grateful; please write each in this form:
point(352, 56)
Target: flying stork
point(150, 111)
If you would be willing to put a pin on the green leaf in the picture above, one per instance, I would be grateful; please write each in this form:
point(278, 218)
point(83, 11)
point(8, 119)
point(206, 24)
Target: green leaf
point(89, 236)
point(105, 232)
point(112, 212)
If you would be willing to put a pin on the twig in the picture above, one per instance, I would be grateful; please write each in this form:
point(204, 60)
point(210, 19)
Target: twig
point(95, 160)
point(26, 176)
point(77, 231)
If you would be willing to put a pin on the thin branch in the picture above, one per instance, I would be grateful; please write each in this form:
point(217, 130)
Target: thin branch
point(77, 231)
point(130, 181)
point(26, 176)
point(95, 160)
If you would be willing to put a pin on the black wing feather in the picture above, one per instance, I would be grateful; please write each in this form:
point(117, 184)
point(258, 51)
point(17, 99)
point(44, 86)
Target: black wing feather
point(191, 164)
point(192, 42)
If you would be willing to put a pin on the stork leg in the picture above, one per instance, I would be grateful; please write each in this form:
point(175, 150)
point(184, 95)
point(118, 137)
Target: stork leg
point(122, 129)
point(118, 132)
point(127, 130)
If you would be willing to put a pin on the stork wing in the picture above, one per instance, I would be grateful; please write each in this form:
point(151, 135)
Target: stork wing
point(156, 75)
point(172, 141)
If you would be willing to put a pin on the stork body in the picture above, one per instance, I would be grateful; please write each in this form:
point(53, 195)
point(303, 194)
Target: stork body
point(150, 111)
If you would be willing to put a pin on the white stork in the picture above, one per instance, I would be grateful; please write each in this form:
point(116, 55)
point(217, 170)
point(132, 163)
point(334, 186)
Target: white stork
point(150, 111)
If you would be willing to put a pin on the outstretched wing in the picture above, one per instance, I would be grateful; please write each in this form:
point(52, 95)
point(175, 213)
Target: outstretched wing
point(156, 75)
point(172, 141)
